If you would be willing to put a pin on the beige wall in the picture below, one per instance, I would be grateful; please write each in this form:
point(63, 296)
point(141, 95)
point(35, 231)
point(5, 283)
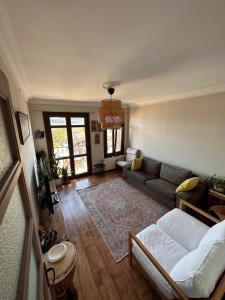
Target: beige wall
point(27, 150)
point(36, 113)
point(188, 133)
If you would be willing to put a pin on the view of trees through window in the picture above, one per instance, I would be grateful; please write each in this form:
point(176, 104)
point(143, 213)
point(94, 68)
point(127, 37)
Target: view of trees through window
point(71, 155)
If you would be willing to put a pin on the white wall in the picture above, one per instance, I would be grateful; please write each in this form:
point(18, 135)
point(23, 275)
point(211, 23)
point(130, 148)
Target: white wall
point(188, 133)
point(36, 113)
point(27, 150)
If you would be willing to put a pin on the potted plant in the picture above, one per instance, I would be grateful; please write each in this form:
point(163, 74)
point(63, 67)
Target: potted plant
point(55, 170)
point(64, 172)
point(217, 183)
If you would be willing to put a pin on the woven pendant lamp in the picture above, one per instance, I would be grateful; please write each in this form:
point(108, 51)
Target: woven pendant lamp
point(111, 113)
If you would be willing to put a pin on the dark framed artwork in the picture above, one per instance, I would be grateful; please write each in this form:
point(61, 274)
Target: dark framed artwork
point(97, 138)
point(23, 126)
point(95, 126)
point(39, 134)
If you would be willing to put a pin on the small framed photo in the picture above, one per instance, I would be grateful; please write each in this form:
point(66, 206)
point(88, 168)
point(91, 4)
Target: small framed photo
point(39, 134)
point(23, 126)
point(93, 125)
point(97, 138)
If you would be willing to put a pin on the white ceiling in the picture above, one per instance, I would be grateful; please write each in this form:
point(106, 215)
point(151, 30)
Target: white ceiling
point(159, 49)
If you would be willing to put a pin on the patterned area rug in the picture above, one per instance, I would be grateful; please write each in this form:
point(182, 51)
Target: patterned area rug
point(117, 207)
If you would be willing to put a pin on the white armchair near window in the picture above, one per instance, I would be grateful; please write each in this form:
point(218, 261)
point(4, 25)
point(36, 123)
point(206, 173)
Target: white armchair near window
point(131, 153)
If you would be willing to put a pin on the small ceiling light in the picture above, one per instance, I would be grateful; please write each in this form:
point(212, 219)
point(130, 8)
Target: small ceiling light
point(111, 113)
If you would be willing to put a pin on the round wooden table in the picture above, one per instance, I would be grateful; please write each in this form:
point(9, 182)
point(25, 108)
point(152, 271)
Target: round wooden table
point(61, 280)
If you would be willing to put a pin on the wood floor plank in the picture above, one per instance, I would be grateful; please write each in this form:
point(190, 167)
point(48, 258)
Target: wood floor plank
point(97, 275)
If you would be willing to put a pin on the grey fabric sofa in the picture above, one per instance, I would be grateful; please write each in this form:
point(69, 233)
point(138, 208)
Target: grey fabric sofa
point(161, 181)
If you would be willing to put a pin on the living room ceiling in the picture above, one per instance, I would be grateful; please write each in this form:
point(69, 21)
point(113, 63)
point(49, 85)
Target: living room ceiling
point(159, 50)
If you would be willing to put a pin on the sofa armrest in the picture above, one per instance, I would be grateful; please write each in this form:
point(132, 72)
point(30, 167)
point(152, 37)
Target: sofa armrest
point(126, 168)
point(195, 196)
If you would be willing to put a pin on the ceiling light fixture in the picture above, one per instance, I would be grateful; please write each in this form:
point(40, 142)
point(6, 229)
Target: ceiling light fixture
point(111, 113)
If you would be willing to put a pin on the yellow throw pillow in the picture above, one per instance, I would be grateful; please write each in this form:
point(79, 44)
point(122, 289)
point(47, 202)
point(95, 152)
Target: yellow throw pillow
point(188, 185)
point(136, 164)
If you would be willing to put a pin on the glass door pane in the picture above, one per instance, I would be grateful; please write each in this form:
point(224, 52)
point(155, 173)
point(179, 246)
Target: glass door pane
point(65, 163)
point(79, 140)
point(57, 121)
point(60, 142)
point(80, 165)
point(77, 121)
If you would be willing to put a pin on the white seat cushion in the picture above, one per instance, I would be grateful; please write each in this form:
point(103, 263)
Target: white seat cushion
point(198, 272)
point(183, 228)
point(167, 251)
point(121, 163)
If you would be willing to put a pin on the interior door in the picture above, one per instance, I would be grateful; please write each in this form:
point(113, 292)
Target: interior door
point(21, 269)
point(68, 139)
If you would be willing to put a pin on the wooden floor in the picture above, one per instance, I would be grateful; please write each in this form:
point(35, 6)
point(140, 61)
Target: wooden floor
point(97, 275)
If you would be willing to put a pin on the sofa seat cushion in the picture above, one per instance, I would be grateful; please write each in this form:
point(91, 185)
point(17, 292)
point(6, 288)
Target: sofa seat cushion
point(151, 166)
point(139, 176)
point(162, 186)
point(166, 250)
point(174, 174)
point(191, 231)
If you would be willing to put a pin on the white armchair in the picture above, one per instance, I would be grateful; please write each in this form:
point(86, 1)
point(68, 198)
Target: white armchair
point(182, 257)
point(131, 153)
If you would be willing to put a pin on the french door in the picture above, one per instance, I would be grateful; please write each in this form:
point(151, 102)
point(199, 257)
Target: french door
point(68, 139)
point(21, 270)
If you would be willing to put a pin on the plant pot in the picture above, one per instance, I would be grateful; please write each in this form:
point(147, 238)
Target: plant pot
point(65, 181)
point(58, 181)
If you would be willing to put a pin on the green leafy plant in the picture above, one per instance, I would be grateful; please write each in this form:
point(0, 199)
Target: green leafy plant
point(55, 170)
point(216, 182)
point(64, 172)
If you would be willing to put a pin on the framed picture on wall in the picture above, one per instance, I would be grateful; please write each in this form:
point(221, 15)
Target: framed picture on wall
point(93, 125)
point(97, 138)
point(23, 126)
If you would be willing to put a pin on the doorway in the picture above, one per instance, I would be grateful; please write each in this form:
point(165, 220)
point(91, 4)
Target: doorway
point(68, 139)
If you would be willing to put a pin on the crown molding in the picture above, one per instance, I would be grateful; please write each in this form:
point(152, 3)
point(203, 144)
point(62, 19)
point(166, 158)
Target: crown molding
point(67, 102)
point(9, 51)
point(218, 89)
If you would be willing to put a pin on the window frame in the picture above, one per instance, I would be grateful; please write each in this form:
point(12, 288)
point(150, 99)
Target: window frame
point(114, 152)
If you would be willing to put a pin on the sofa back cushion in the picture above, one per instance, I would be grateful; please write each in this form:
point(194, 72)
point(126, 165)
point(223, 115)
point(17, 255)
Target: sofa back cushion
point(198, 272)
point(174, 174)
point(151, 166)
point(131, 153)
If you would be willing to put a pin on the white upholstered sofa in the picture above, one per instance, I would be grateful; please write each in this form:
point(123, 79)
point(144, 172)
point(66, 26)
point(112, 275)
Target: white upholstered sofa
point(182, 257)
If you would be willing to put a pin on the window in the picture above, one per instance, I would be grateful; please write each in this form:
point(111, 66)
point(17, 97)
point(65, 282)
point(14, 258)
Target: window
point(113, 142)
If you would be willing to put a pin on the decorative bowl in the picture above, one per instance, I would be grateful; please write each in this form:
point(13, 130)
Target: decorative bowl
point(57, 252)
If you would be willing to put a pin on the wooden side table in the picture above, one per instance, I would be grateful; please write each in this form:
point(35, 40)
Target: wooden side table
point(62, 282)
point(220, 198)
point(219, 211)
point(219, 208)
